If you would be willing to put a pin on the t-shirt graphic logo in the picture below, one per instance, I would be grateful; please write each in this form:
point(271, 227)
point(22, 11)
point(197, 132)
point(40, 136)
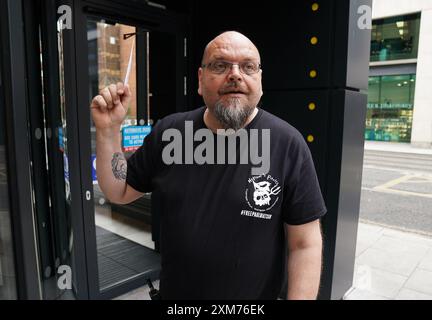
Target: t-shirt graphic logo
point(261, 193)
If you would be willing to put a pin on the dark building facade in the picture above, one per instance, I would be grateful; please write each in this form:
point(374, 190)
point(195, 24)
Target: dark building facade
point(60, 238)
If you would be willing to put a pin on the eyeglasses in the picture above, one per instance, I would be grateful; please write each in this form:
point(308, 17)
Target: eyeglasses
point(221, 67)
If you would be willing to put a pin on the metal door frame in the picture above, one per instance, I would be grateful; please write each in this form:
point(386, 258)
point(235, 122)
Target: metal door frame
point(141, 16)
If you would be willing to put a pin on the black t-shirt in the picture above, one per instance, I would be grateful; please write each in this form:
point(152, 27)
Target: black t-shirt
point(222, 229)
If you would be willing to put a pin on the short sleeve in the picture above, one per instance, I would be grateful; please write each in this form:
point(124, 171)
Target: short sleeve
point(303, 200)
point(142, 165)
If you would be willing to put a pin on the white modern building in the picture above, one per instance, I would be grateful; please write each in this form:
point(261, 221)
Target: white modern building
point(400, 83)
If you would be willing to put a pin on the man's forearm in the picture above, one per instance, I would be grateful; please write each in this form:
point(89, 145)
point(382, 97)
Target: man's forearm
point(304, 271)
point(111, 165)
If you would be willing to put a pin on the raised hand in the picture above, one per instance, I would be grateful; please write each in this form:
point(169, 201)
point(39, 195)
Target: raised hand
point(109, 108)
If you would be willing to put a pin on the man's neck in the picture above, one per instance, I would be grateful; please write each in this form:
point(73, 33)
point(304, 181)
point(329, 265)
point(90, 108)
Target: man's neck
point(213, 124)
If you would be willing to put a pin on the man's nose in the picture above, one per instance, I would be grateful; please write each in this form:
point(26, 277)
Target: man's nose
point(234, 73)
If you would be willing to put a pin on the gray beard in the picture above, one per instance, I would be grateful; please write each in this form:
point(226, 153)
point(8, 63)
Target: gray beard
point(233, 116)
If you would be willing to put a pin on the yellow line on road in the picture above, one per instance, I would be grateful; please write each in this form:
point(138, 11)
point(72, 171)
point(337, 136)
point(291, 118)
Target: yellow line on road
point(394, 182)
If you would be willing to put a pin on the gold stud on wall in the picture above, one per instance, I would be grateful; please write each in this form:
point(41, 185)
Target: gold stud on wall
point(313, 74)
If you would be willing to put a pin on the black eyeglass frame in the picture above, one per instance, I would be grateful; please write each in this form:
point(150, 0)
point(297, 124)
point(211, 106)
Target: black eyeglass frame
point(230, 65)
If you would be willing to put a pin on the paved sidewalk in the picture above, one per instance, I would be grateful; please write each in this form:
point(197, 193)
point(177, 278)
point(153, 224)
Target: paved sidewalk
point(391, 265)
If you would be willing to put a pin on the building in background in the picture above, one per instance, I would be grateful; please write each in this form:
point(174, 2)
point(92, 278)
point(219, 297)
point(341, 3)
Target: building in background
point(399, 100)
point(109, 55)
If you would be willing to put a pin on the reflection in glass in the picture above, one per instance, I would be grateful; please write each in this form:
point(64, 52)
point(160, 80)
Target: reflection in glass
point(390, 108)
point(53, 224)
point(62, 213)
point(123, 233)
point(7, 268)
point(395, 38)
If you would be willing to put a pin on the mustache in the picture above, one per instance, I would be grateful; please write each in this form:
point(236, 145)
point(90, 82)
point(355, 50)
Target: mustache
point(232, 87)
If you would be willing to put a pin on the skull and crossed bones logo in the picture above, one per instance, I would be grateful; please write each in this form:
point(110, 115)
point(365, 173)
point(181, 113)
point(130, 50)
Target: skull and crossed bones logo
point(262, 193)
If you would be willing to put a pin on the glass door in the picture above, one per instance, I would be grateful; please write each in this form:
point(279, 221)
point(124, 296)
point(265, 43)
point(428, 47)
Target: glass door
point(125, 247)
point(122, 240)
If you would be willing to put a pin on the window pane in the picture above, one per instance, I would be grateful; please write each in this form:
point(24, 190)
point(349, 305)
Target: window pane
point(395, 38)
point(125, 248)
point(390, 108)
point(373, 93)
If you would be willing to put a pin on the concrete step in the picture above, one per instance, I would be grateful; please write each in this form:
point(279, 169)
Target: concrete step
point(418, 168)
point(397, 155)
point(401, 161)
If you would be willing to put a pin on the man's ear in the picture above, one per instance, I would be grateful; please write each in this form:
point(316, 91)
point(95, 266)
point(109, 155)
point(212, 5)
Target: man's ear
point(261, 82)
point(199, 81)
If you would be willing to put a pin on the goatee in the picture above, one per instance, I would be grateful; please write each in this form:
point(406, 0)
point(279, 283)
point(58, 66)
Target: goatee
point(232, 115)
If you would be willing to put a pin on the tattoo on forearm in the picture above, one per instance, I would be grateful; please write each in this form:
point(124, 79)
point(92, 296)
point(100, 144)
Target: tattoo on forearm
point(119, 166)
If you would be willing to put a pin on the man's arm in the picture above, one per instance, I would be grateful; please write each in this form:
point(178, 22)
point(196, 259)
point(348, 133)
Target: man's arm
point(304, 244)
point(109, 109)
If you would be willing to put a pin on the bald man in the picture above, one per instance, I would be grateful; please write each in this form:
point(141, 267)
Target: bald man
point(226, 232)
